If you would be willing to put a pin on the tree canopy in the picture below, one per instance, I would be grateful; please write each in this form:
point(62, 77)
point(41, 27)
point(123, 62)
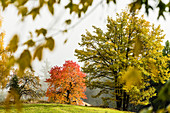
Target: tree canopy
point(122, 61)
point(66, 84)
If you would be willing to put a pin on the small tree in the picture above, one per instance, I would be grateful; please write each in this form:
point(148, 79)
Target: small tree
point(66, 84)
point(27, 86)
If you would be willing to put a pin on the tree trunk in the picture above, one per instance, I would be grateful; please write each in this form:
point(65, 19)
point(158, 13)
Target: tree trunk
point(118, 102)
point(68, 98)
point(118, 98)
point(118, 92)
point(125, 101)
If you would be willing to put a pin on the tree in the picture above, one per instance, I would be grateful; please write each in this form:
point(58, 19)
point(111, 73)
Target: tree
point(44, 75)
point(123, 60)
point(66, 84)
point(166, 50)
point(78, 8)
point(4, 61)
point(27, 86)
point(162, 89)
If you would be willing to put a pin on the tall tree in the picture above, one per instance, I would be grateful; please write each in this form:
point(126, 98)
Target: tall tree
point(123, 60)
point(66, 84)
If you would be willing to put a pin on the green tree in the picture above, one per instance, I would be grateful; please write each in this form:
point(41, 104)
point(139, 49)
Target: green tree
point(166, 50)
point(123, 60)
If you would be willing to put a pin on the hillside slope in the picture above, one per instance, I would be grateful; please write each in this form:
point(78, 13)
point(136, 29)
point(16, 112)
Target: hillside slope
point(60, 108)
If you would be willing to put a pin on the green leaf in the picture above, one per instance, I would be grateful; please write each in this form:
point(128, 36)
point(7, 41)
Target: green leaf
point(51, 9)
point(11, 61)
point(65, 31)
point(4, 4)
point(65, 41)
point(69, 5)
point(72, 7)
point(41, 31)
point(50, 6)
point(30, 43)
point(24, 61)
point(38, 53)
point(68, 22)
point(34, 12)
point(135, 5)
point(50, 43)
point(161, 7)
point(13, 44)
point(31, 35)
point(23, 11)
point(108, 1)
point(164, 93)
point(22, 2)
point(41, 2)
point(75, 8)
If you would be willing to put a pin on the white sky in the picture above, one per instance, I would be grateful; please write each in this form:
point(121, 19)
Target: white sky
point(62, 52)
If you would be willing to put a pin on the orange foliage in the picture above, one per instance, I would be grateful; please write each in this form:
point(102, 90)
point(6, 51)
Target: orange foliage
point(66, 84)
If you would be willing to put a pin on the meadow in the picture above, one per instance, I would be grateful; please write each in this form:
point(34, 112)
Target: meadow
point(59, 108)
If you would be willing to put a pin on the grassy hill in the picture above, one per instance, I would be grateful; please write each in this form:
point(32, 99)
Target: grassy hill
point(59, 108)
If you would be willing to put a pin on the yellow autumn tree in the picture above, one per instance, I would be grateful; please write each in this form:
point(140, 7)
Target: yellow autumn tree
point(123, 61)
point(4, 55)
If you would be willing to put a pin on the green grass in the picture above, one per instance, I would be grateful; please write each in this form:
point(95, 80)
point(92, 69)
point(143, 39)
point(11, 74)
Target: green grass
point(59, 108)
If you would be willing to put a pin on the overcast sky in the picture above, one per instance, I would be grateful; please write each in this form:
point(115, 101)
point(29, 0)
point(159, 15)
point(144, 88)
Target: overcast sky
point(62, 52)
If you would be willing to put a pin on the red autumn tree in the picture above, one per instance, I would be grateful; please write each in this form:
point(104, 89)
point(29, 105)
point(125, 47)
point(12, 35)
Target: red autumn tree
point(66, 84)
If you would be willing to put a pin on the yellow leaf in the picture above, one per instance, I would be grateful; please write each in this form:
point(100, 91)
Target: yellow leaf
point(41, 31)
point(24, 61)
point(50, 43)
point(11, 61)
point(23, 10)
point(68, 22)
point(22, 2)
point(13, 44)
point(30, 43)
point(38, 53)
point(138, 47)
point(65, 41)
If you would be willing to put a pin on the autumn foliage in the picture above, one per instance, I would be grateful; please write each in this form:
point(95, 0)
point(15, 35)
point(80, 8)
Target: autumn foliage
point(66, 84)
